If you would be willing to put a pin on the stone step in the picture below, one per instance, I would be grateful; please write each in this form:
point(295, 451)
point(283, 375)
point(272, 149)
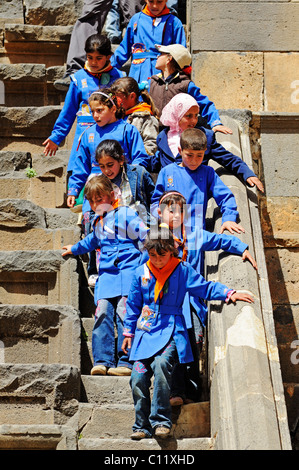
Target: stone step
point(26, 226)
point(149, 445)
point(115, 420)
point(30, 84)
point(38, 44)
point(38, 277)
point(37, 437)
point(40, 333)
point(38, 393)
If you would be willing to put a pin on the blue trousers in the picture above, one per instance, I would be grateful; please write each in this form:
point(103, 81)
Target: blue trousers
point(150, 414)
point(105, 349)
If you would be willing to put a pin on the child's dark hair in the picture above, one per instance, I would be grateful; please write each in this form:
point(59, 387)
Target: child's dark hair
point(160, 239)
point(98, 43)
point(107, 98)
point(127, 85)
point(97, 185)
point(169, 198)
point(193, 139)
point(112, 148)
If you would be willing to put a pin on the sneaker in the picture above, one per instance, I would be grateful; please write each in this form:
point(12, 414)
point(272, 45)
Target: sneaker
point(121, 370)
point(100, 369)
point(137, 435)
point(176, 401)
point(63, 83)
point(162, 432)
point(92, 280)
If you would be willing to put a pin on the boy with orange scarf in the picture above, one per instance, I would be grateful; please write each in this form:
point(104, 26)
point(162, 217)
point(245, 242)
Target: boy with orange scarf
point(155, 328)
point(153, 25)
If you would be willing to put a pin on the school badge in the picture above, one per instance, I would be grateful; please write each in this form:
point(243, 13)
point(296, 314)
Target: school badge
point(91, 138)
point(84, 83)
point(170, 181)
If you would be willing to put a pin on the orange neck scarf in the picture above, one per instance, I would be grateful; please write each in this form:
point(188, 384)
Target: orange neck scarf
point(182, 243)
point(140, 107)
point(162, 275)
point(147, 11)
point(115, 205)
point(98, 74)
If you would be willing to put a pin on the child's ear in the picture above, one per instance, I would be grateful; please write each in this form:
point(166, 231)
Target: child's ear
point(180, 150)
point(159, 212)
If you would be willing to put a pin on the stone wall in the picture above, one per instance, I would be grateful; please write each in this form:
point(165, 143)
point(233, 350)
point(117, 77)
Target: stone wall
point(246, 54)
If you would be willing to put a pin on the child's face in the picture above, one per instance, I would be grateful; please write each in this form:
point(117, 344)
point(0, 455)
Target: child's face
point(162, 61)
point(127, 102)
point(109, 166)
point(96, 61)
point(102, 114)
point(156, 6)
point(192, 159)
point(102, 203)
point(159, 261)
point(173, 216)
point(189, 120)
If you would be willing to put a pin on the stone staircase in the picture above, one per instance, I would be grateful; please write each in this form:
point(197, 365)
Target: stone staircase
point(48, 400)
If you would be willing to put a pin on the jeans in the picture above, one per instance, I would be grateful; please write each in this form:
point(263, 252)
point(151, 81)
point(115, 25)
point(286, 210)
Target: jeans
point(105, 349)
point(149, 415)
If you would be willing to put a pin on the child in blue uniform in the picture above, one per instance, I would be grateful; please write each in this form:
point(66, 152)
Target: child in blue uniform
point(155, 328)
point(139, 109)
point(174, 78)
point(198, 183)
point(108, 125)
point(97, 72)
point(117, 230)
point(182, 113)
point(153, 25)
point(191, 244)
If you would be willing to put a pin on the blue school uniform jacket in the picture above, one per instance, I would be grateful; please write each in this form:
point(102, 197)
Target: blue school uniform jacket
point(83, 84)
point(167, 319)
point(197, 186)
point(215, 151)
point(85, 164)
point(199, 241)
point(142, 33)
point(118, 236)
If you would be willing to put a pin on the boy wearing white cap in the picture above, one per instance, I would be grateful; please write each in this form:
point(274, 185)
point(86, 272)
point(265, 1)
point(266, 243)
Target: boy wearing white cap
point(174, 62)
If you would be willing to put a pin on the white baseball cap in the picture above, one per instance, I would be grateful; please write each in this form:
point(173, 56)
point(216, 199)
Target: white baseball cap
point(180, 54)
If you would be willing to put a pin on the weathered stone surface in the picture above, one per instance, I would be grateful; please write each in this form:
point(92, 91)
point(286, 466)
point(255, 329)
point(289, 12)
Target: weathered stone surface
point(239, 74)
point(283, 274)
point(14, 161)
point(11, 9)
point(35, 33)
point(280, 221)
point(38, 393)
point(23, 72)
point(281, 89)
point(28, 121)
point(37, 437)
point(40, 334)
point(21, 213)
point(245, 26)
point(56, 13)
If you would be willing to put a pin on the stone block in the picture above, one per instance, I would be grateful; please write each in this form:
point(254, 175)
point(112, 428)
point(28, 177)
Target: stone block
point(58, 12)
point(281, 82)
point(244, 26)
point(283, 275)
point(11, 10)
point(40, 334)
point(230, 79)
point(38, 393)
point(14, 161)
point(37, 437)
point(280, 221)
point(38, 277)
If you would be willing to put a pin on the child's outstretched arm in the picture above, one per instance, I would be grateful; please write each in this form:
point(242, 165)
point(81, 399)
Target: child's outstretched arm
point(222, 129)
point(247, 256)
point(254, 181)
point(231, 227)
point(241, 296)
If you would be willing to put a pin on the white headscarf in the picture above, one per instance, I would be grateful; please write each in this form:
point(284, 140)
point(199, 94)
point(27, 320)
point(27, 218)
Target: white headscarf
point(171, 115)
